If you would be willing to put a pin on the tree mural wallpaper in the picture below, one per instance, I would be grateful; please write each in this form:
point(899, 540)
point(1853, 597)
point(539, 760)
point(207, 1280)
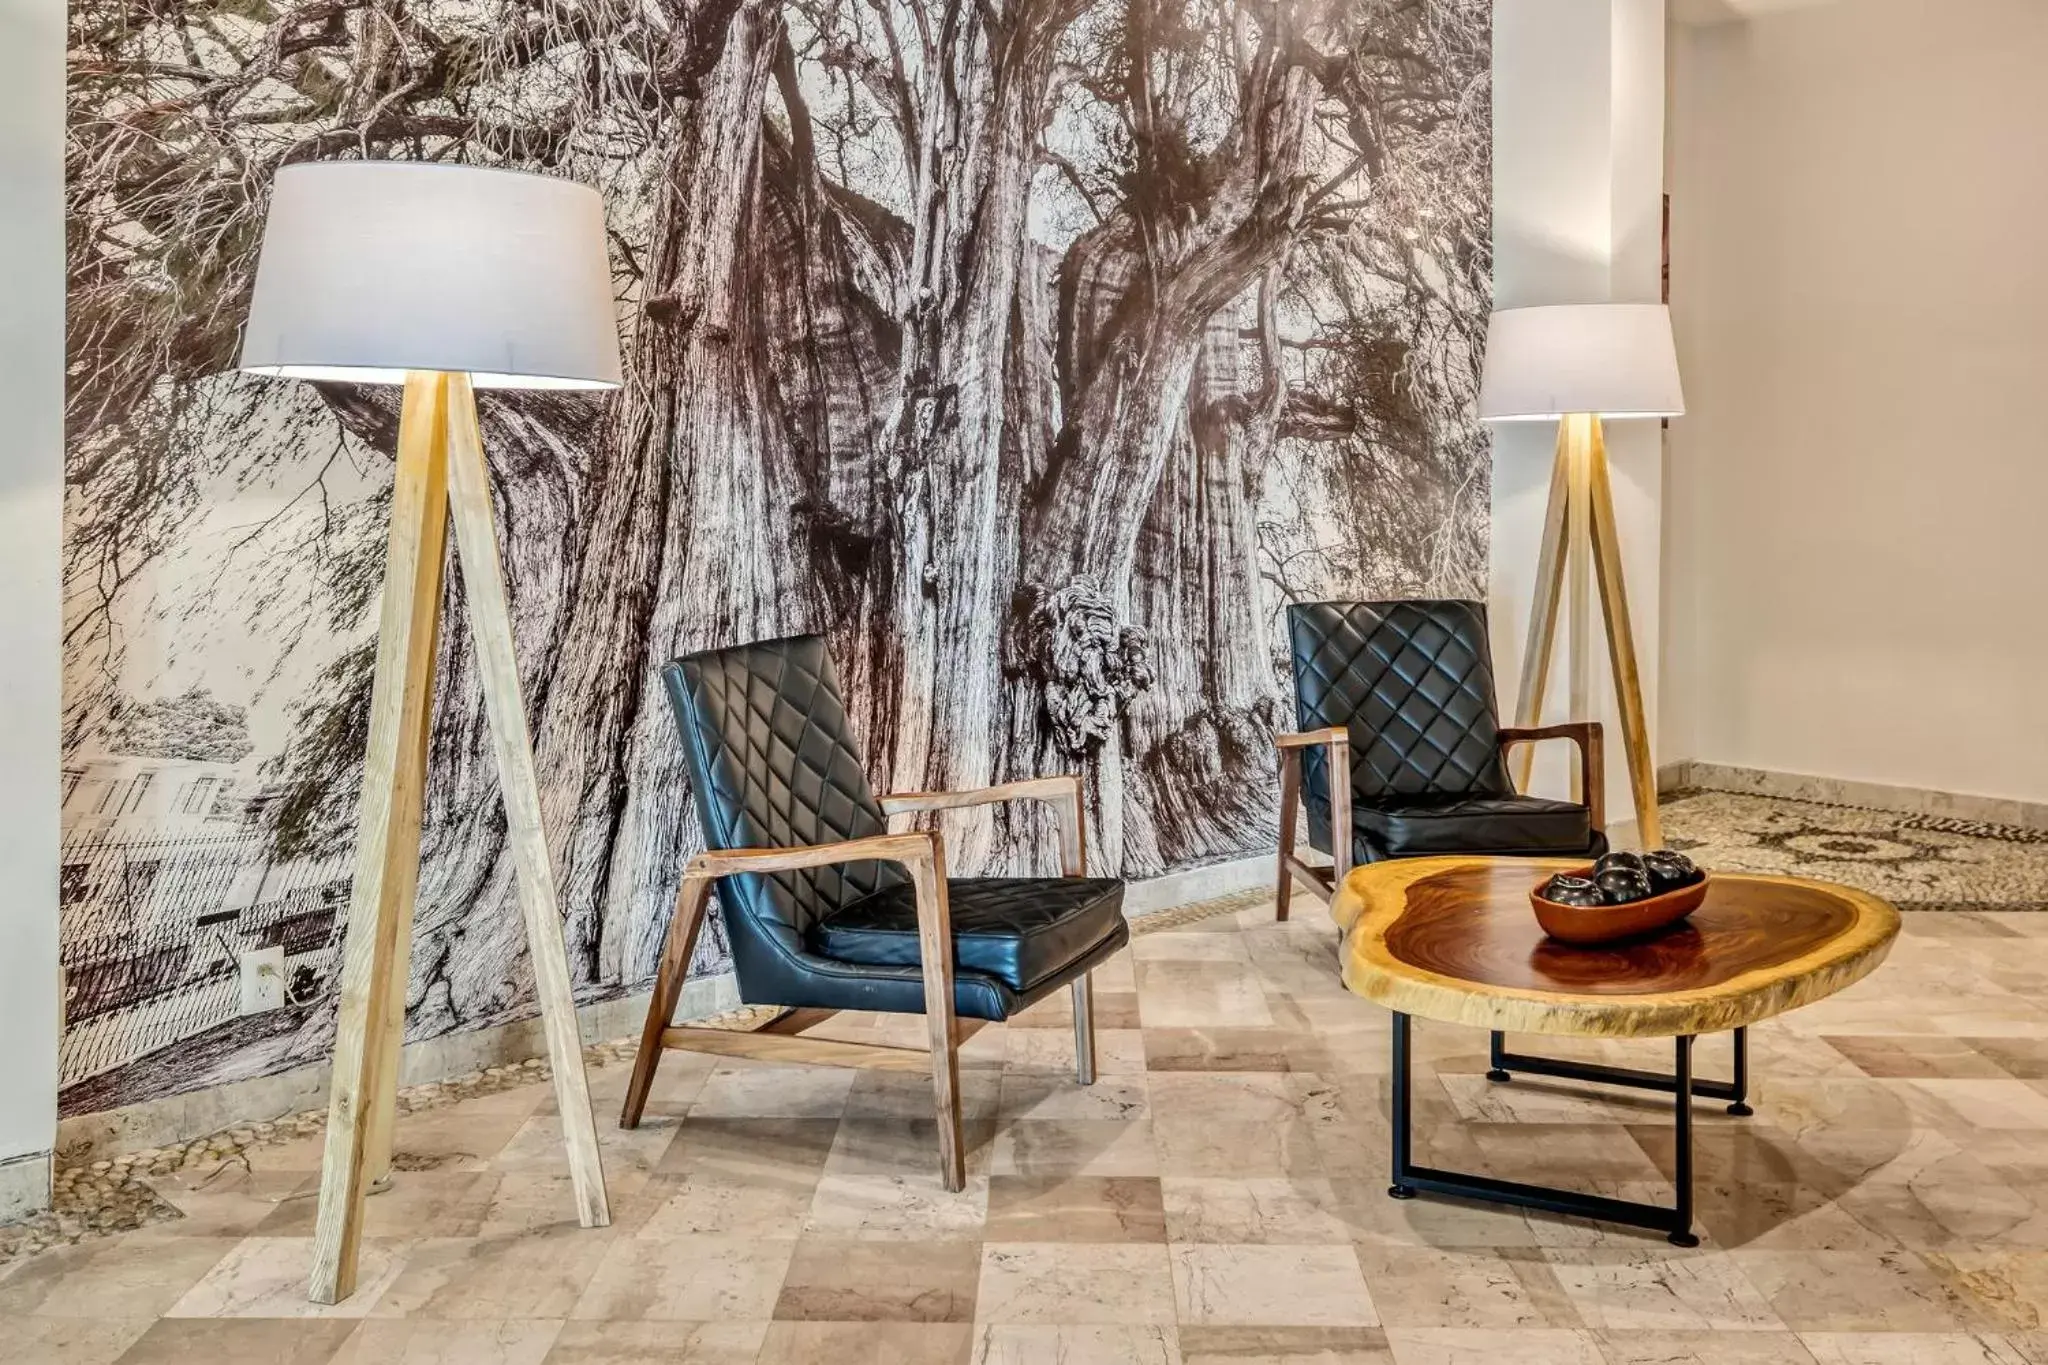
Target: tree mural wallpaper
point(1037, 351)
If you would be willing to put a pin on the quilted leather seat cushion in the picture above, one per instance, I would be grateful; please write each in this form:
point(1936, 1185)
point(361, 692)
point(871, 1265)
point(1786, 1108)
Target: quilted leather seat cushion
point(1019, 930)
point(1481, 823)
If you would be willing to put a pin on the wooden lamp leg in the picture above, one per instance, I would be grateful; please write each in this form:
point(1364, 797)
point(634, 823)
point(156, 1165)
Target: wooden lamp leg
point(490, 619)
point(374, 956)
point(1621, 644)
point(1550, 564)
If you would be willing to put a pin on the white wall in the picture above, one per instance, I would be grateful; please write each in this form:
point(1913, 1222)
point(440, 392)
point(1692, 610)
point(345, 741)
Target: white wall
point(1858, 521)
point(31, 516)
point(1577, 207)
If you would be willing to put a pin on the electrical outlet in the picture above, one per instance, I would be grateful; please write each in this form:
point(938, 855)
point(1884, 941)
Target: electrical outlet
point(262, 980)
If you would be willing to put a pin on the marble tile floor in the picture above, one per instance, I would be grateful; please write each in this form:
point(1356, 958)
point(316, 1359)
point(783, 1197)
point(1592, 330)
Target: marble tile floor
point(1218, 1196)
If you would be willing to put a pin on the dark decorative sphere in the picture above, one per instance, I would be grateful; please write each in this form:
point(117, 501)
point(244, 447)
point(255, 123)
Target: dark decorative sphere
point(1632, 861)
point(1565, 881)
point(1586, 896)
point(1620, 885)
point(1669, 869)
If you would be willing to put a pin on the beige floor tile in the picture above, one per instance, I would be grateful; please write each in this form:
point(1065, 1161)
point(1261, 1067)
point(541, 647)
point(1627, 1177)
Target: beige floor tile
point(435, 1203)
point(1644, 1290)
point(867, 1343)
point(1203, 1345)
point(1977, 1104)
point(898, 1208)
point(1184, 947)
point(748, 1146)
point(250, 1341)
point(1019, 1343)
point(1703, 1348)
point(1254, 1210)
point(534, 1202)
point(2003, 1290)
point(768, 1090)
point(1465, 1287)
point(658, 1343)
point(1225, 1049)
point(909, 1095)
point(830, 1280)
point(127, 1278)
point(1464, 1346)
point(1042, 1096)
point(1194, 1144)
point(904, 1146)
point(1068, 1282)
point(772, 1204)
point(227, 1200)
point(688, 1279)
point(1854, 1291)
point(1054, 1147)
point(1184, 994)
point(71, 1341)
point(1080, 1208)
point(265, 1277)
point(1373, 1216)
point(537, 1147)
point(1910, 1348)
point(1277, 1286)
point(1118, 1052)
point(395, 1341)
point(538, 1274)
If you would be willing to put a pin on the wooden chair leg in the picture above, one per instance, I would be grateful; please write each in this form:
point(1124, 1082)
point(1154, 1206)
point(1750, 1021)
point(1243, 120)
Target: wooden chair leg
point(935, 946)
point(1084, 1028)
point(691, 900)
point(1290, 806)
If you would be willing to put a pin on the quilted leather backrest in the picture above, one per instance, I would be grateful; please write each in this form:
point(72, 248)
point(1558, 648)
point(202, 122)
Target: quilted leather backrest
point(773, 764)
point(1412, 682)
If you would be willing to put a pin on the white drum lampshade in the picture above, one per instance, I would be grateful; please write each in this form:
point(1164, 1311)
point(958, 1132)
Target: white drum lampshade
point(371, 269)
point(1609, 359)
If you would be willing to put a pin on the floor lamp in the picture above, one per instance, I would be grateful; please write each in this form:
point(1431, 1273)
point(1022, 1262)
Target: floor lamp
point(444, 279)
point(1578, 365)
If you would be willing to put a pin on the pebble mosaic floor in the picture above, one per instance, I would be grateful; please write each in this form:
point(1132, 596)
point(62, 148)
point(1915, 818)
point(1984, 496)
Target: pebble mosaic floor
point(1217, 1196)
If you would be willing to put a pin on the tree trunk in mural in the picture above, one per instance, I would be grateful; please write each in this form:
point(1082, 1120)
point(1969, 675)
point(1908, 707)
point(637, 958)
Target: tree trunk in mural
point(1032, 352)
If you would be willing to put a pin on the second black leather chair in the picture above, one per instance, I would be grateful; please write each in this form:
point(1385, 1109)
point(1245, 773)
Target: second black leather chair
point(1400, 752)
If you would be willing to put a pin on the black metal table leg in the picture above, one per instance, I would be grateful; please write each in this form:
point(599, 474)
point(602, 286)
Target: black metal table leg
point(1400, 1125)
point(1681, 1165)
point(1409, 1179)
point(1503, 1064)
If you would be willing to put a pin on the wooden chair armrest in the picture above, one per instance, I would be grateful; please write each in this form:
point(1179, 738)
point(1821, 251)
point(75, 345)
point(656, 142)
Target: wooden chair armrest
point(1336, 734)
point(1339, 741)
point(1592, 765)
point(914, 849)
point(1062, 792)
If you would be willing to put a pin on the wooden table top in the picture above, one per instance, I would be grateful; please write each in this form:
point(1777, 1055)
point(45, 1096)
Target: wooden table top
point(1454, 939)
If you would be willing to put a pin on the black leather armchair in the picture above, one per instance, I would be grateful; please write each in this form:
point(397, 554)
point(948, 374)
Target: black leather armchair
point(826, 910)
point(1400, 752)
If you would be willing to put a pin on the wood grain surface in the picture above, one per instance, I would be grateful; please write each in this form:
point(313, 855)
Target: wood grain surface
point(1455, 939)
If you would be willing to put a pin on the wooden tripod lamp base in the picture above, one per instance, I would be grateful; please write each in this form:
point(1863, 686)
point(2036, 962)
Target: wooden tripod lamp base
point(1571, 364)
point(440, 469)
point(482, 277)
point(1579, 541)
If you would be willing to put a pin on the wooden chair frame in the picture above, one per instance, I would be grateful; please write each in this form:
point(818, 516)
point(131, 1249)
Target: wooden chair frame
point(923, 854)
point(1322, 881)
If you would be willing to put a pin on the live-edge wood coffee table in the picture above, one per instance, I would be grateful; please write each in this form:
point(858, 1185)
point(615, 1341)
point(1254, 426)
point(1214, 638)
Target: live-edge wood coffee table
point(1454, 940)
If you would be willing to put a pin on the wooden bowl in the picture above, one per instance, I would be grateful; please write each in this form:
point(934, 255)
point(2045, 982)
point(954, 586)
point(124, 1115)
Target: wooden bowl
point(1591, 924)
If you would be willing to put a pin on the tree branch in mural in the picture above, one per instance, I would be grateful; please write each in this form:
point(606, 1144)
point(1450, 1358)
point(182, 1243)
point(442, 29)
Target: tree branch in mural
point(1036, 351)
